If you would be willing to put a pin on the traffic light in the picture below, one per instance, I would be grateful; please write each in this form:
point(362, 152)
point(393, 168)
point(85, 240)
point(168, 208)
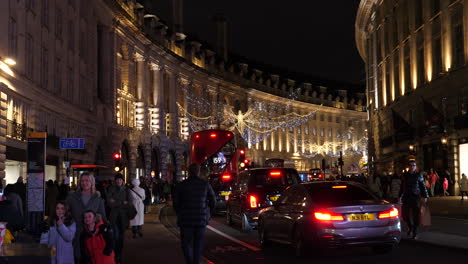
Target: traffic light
point(117, 162)
point(242, 158)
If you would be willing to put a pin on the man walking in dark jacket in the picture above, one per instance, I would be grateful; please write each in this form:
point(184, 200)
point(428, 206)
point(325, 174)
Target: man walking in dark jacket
point(194, 203)
point(413, 189)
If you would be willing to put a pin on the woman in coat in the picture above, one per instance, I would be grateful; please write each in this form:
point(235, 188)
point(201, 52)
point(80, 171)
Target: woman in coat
point(464, 185)
point(85, 198)
point(138, 196)
point(60, 235)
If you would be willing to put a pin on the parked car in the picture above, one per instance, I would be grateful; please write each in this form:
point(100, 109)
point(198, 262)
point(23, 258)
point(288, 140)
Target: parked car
point(256, 189)
point(324, 214)
point(222, 186)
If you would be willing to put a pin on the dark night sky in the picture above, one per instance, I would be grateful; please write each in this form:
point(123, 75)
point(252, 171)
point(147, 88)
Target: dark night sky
point(303, 36)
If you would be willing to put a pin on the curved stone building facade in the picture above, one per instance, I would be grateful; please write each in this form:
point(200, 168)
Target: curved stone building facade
point(416, 54)
point(114, 74)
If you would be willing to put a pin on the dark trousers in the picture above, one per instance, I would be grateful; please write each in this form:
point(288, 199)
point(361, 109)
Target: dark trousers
point(119, 234)
point(192, 243)
point(411, 215)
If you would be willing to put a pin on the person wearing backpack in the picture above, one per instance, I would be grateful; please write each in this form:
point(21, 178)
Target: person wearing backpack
point(137, 195)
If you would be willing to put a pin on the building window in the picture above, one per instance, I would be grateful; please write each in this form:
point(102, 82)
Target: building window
point(418, 16)
point(457, 36)
point(338, 120)
point(45, 13)
point(13, 38)
point(322, 132)
point(436, 47)
point(30, 56)
point(58, 24)
point(407, 68)
point(330, 118)
point(306, 130)
point(44, 68)
point(435, 7)
point(322, 117)
point(330, 132)
point(314, 131)
point(30, 5)
point(71, 80)
point(57, 77)
point(71, 35)
point(396, 73)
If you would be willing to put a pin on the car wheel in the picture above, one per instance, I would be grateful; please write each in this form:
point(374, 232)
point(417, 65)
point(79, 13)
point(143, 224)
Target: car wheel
point(228, 216)
point(246, 227)
point(382, 249)
point(262, 237)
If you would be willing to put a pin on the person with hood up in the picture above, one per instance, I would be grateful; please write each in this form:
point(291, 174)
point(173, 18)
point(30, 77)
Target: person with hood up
point(85, 198)
point(137, 195)
point(97, 242)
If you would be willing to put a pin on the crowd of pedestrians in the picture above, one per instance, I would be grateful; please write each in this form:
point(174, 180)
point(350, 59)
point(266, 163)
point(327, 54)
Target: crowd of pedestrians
point(86, 222)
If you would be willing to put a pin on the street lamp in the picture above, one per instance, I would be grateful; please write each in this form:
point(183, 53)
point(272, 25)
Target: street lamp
point(443, 139)
point(411, 147)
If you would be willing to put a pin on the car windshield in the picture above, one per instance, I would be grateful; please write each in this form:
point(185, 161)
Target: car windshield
point(338, 195)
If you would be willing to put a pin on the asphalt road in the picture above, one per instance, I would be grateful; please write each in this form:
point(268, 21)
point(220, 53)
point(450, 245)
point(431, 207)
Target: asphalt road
point(225, 244)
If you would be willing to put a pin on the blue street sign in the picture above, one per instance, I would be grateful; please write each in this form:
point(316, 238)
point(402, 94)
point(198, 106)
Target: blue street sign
point(72, 143)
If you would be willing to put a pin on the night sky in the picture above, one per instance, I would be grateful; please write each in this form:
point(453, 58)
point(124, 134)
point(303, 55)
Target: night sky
point(304, 36)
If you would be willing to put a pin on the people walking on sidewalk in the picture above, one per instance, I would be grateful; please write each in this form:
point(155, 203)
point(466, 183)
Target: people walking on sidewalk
point(97, 240)
point(145, 185)
point(60, 235)
point(85, 198)
point(118, 200)
point(445, 186)
point(194, 203)
point(138, 196)
point(433, 178)
point(412, 190)
point(464, 186)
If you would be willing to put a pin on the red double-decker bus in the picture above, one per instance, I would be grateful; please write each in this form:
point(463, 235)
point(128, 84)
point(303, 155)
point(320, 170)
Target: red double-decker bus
point(215, 151)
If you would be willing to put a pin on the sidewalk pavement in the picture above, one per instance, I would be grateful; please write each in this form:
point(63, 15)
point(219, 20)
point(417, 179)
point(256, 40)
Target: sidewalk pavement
point(158, 244)
point(449, 223)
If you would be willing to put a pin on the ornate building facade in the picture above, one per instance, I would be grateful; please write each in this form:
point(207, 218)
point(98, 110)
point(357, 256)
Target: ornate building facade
point(111, 73)
point(416, 57)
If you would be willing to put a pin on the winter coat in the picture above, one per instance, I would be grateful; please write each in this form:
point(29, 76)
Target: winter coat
point(98, 245)
point(194, 202)
point(16, 201)
point(395, 187)
point(413, 188)
point(433, 177)
point(77, 208)
point(118, 210)
point(9, 214)
point(445, 184)
point(61, 237)
point(138, 202)
point(464, 184)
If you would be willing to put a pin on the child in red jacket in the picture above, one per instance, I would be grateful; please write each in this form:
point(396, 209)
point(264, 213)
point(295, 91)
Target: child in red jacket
point(97, 242)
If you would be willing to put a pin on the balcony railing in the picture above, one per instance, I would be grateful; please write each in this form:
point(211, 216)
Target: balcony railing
point(16, 130)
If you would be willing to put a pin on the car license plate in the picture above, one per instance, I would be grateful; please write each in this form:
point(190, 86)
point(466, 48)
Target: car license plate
point(361, 217)
point(274, 198)
point(225, 193)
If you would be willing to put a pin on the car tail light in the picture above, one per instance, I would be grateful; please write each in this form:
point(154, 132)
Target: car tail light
point(275, 173)
point(226, 177)
point(253, 201)
point(320, 176)
point(328, 216)
point(226, 198)
point(213, 135)
point(339, 187)
point(389, 214)
point(197, 136)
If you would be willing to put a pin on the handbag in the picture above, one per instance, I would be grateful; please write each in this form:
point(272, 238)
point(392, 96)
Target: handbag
point(425, 216)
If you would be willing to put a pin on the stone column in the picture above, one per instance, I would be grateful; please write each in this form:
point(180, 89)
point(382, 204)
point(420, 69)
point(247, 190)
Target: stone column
point(3, 119)
point(133, 148)
point(140, 78)
point(173, 104)
point(147, 149)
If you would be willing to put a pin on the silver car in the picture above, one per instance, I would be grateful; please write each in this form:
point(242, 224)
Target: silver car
point(330, 215)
